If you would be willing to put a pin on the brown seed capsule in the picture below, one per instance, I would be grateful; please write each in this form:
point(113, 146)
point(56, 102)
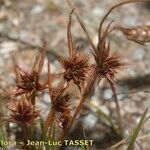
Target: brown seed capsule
point(23, 112)
point(61, 104)
point(28, 82)
point(139, 34)
point(60, 100)
point(77, 66)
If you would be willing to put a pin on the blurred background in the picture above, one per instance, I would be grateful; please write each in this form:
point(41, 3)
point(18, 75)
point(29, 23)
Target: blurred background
point(24, 25)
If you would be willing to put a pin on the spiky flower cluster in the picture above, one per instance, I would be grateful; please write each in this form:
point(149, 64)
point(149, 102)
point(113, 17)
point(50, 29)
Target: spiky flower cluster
point(76, 68)
point(28, 83)
point(61, 105)
point(77, 65)
point(108, 64)
point(23, 111)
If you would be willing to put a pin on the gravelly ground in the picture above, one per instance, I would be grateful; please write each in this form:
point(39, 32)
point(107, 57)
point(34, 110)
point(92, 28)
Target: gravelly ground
point(25, 24)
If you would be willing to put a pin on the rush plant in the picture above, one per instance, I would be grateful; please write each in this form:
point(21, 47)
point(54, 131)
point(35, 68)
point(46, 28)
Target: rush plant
point(78, 71)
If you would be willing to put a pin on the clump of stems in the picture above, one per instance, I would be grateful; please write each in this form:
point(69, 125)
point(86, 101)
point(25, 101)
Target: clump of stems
point(77, 69)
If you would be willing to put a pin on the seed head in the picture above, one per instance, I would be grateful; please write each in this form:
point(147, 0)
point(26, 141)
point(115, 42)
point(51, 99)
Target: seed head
point(109, 64)
point(29, 82)
point(23, 112)
point(76, 68)
point(60, 100)
point(77, 65)
point(138, 34)
point(61, 104)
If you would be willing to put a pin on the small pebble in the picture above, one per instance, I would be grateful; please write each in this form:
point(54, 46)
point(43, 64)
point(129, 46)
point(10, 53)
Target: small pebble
point(107, 94)
point(138, 54)
point(90, 120)
point(37, 9)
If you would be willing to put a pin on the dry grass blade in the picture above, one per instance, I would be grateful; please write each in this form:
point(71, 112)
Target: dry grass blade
point(37, 66)
point(49, 121)
point(81, 23)
point(50, 118)
point(136, 131)
point(69, 36)
point(49, 75)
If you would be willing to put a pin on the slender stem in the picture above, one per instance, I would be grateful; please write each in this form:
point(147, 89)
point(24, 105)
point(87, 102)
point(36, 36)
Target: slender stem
point(25, 130)
point(33, 98)
point(80, 106)
point(81, 23)
point(69, 36)
point(50, 119)
point(51, 125)
point(117, 106)
point(26, 135)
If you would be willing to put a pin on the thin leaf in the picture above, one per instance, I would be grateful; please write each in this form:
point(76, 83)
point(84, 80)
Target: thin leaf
point(69, 36)
point(49, 75)
point(105, 116)
point(136, 131)
point(37, 66)
point(71, 5)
